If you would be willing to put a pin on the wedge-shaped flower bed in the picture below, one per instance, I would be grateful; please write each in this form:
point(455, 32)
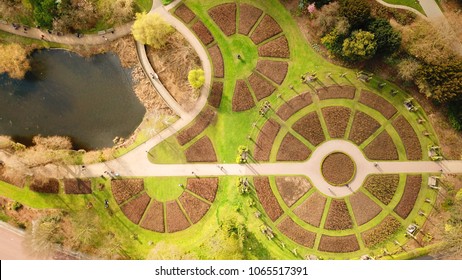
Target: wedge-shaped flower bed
point(203, 33)
point(77, 186)
point(336, 118)
point(382, 232)
point(200, 124)
point(201, 151)
point(266, 29)
point(411, 191)
point(409, 137)
point(134, 208)
point(126, 188)
point(267, 198)
point(176, 220)
point(274, 70)
point(265, 140)
point(338, 217)
point(194, 207)
point(242, 98)
point(217, 61)
point(338, 244)
point(49, 185)
point(363, 127)
point(225, 17)
point(292, 149)
point(383, 187)
point(275, 48)
point(377, 103)
point(294, 105)
point(312, 209)
point(260, 86)
point(296, 233)
point(204, 187)
point(381, 148)
point(154, 218)
point(310, 128)
point(248, 16)
point(184, 13)
point(292, 188)
point(364, 208)
point(215, 94)
point(336, 92)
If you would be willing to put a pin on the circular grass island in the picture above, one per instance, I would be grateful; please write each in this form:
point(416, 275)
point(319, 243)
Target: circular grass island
point(338, 169)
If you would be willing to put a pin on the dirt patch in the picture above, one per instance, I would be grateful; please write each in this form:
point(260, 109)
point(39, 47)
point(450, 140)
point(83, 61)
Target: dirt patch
point(336, 118)
point(296, 233)
point(134, 209)
point(201, 151)
point(338, 217)
point(382, 148)
point(336, 92)
point(380, 233)
point(242, 98)
point(267, 198)
point(267, 28)
point(291, 149)
point(260, 86)
point(126, 188)
point(176, 220)
point(310, 128)
point(274, 70)
point(77, 186)
point(194, 207)
point(248, 16)
point(411, 191)
point(154, 218)
point(338, 169)
point(363, 127)
point(215, 94)
point(203, 33)
point(312, 209)
point(383, 187)
point(217, 61)
point(265, 140)
point(201, 123)
point(292, 188)
point(224, 16)
point(179, 52)
point(294, 105)
point(377, 103)
point(184, 13)
point(12, 176)
point(204, 187)
point(409, 137)
point(364, 209)
point(276, 48)
point(50, 185)
point(338, 244)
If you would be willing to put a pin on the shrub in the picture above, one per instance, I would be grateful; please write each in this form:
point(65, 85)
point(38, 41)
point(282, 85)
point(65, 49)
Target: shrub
point(16, 206)
point(358, 12)
point(151, 29)
point(408, 69)
point(196, 78)
point(442, 83)
point(388, 40)
point(455, 115)
point(361, 45)
point(13, 60)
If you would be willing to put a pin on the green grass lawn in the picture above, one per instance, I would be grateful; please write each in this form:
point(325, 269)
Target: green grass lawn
point(410, 3)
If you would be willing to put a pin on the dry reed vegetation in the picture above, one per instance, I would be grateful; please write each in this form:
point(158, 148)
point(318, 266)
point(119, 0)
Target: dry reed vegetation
point(173, 63)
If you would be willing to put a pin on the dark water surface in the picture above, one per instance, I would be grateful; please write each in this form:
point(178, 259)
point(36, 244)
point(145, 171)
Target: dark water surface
point(89, 99)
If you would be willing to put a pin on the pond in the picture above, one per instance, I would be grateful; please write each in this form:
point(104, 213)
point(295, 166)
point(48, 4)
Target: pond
point(90, 100)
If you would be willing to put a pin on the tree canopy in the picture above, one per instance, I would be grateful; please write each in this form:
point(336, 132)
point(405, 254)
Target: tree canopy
point(388, 40)
point(196, 78)
point(361, 45)
point(358, 12)
point(151, 29)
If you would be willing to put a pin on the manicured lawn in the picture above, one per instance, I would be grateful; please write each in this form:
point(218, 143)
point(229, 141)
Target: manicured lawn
point(410, 3)
point(143, 5)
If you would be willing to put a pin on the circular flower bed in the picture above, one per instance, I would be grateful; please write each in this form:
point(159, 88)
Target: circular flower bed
point(338, 169)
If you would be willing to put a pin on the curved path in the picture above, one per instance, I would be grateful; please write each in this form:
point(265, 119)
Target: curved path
point(402, 7)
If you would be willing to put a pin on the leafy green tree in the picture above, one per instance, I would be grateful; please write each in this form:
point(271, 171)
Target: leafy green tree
point(333, 42)
point(388, 40)
point(358, 12)
point(44, 12)
point(455, 114)
point(151, 29)
point(442, 83)
point(196, 78)
point(317, 3)
point(361, 45)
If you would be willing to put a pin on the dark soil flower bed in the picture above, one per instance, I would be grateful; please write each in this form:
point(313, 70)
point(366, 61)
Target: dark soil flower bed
point(184, 13)
point(310, 128)
point(134, 209)
point(338, 169)
point(248, 16)
point(194, 207)
point(292, 188)
point(364, 209)
point(215, 94)
point(266, 29)
point(126, 188)
point(154, 217)
point(338, 217)
point(217, 61)
point(267, 198)
point(203, 33)
point(201, 151)
point(409, 137)
point(411, 191)
point(200, 124)
point(377, 103)
point(312, 209)
point(291, 149)
point(287, 109)
point(362, 128)
point(50, 185)
point(77, 186)
point(224, 16)
point(276, 48)
point(176, 220)
point(336, 118)
point(383, 187)
point(260, 86)
point(296, 233)
point(382, 232)
point(336, 92)
point(204, 187)
point(242, 98)
point(338, 244)
point(265, 140)
point(274, 70)
point(381, 148)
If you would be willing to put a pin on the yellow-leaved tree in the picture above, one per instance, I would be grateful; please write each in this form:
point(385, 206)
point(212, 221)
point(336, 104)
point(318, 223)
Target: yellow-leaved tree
point(151, 29)
point(13, 60)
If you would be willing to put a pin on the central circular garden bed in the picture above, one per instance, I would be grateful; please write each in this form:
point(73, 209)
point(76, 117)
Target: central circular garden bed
point(338, 169)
